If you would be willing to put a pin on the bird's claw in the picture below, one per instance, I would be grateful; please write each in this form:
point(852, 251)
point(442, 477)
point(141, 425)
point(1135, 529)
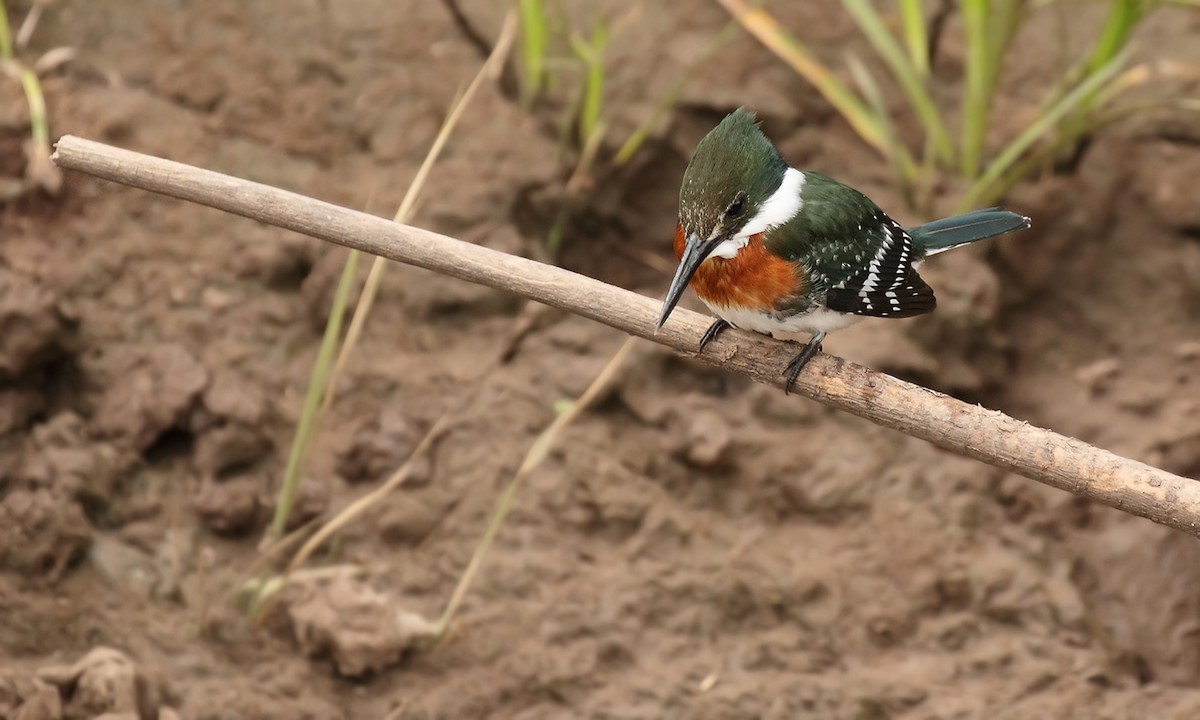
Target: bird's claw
point(797, 364)
point(792, 371)
point(712, 332)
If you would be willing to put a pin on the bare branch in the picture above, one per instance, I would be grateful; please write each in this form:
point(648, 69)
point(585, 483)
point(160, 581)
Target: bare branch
point(969, 430)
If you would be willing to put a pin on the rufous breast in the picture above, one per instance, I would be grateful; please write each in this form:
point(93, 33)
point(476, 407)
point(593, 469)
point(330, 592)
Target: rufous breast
point(754, 279)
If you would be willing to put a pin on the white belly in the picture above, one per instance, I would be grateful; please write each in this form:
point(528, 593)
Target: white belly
point(816, 321)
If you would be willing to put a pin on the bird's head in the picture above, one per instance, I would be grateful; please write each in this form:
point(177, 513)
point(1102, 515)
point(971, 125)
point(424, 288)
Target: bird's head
point(733, 173)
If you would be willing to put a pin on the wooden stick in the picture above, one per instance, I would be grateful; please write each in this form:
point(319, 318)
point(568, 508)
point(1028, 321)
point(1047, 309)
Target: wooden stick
point(992, 437)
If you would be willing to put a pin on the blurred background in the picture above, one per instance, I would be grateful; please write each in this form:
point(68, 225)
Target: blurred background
point(187, 398)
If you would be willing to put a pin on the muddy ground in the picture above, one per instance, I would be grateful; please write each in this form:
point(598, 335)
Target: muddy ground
point(697, 546)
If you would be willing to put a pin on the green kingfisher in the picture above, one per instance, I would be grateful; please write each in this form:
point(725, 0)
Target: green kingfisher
point(773, 249)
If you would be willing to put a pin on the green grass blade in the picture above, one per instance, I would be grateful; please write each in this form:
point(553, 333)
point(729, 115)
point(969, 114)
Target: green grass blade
point(366, 301)
point(912, 18)
point(1095, 122)
point(638, 137)
point(592, 100)
point(593, 96)
point(38, 122)
point(1044, 124)
point(537, 452)
point(764, 28)
point(976, 100)
point(533, 48)
point(873, 26)
point(312, 399)
point(1123, 17)
point(6, 48)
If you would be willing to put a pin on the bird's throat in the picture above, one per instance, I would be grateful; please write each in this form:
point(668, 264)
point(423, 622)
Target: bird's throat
point(730, 248)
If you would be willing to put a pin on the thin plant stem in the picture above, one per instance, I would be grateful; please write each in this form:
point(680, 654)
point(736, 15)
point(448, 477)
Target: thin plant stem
point(533, 457)
point(361, 505)
point(771, 34)
point(312, 400)
point(260, 562)
point(39, 125)
point(874, 28)
point(976, 97)
point(367, 300)
point(6, 46)
point(1043, 124)
point(592, 97)
point(533, 49)
point(263, 601)
point(916, 36)
point(638, 137)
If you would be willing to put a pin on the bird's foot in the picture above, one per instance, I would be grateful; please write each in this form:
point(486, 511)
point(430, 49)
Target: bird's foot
point(712, 332)
point(796, 365)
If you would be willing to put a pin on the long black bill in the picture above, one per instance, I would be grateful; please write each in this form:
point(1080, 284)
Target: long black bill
point(695, 251)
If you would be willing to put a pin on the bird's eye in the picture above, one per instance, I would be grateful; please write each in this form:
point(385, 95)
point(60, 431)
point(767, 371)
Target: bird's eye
point(737, 207)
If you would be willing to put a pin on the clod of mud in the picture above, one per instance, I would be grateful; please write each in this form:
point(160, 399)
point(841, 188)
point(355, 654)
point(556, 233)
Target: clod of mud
point(30, 326)
point(105, 683)
point(226, 448)
point(361, 629)
point(407, 520)
point(1169, 190)
point(838, 480)
point(1096, 376)
point(29, 701)
point(707, 440)
point(232, 398)
point(636, 386)
point(179, 79)
point(41, 530)
point(227, 507)
point(62, 457)
point(379, 449)
point(229, 443)
point(154, 394)
point(312, 499)
point(43, 526)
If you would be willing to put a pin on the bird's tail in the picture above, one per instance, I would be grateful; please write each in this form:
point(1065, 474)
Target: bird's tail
point(951, 232)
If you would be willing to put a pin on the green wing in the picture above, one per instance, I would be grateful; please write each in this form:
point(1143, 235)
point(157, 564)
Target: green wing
point(856, 258)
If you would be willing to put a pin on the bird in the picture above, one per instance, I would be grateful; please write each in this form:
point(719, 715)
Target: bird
point(777, 250)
